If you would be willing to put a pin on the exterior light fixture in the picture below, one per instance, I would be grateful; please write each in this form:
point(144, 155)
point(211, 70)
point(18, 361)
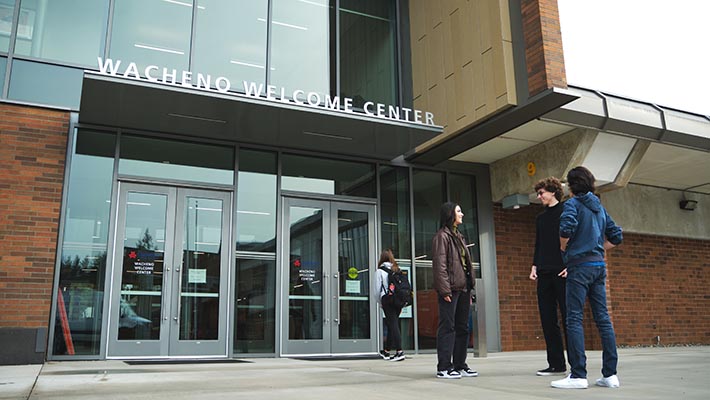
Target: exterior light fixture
point(515, 201)
point(688, 205)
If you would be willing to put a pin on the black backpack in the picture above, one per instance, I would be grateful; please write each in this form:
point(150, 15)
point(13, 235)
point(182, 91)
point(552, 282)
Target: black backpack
point(399, 292)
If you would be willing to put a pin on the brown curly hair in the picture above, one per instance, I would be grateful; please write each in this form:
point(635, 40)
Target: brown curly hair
point(552, 185)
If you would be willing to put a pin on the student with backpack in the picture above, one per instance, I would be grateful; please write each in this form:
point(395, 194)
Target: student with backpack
point(453, 281)
point(393, 288)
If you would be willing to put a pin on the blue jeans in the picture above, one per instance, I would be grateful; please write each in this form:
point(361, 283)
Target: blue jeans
point(583, 282)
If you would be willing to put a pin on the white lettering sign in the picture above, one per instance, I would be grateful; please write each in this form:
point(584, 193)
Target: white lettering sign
point(153, 73)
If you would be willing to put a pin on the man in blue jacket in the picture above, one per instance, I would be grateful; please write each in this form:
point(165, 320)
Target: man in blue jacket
point(586, 232)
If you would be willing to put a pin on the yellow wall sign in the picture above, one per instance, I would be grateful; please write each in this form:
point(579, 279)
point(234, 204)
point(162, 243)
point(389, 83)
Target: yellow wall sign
point(531, 168)
point(352, 273)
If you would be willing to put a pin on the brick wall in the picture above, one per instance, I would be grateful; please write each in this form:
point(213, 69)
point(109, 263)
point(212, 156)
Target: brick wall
point(32, 153)
point(543, 45)
point(657, 286)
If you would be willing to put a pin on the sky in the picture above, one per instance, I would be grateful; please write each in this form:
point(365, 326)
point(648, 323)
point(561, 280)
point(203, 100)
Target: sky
point(648, 50)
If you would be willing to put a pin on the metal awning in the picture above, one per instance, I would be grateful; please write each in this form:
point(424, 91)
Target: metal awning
point(615, 114)
point(119, 102)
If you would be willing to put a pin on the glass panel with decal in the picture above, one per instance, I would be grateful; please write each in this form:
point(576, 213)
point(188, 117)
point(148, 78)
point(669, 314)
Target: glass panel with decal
point(142, 267)
point(201, 261)
point(305, 290)
point(353, 272)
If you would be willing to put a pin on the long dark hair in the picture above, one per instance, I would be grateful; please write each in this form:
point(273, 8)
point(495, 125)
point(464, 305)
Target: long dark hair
point(387, 256)
point(580, 180)
point(447, 217)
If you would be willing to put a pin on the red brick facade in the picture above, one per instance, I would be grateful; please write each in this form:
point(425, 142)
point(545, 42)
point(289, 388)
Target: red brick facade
point(543, 45)
point(657, 286)
point(33, 145)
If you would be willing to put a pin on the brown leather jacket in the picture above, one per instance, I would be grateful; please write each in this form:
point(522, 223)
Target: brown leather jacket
point(449, 273)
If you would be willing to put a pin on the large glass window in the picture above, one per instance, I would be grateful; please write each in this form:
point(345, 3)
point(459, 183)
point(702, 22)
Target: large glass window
point(429, 194)
point(256, 201)
point(230, 40)
point(300, 45)
point(69, 31)
point(368, 51)
point(255, 326)
point(152, 32)
point(84, 247)
point(7, 15)
point(183, 161)
point(463, 192)
point(3, 69)
point(45, 84)
point(394, 211)
point(319, 175)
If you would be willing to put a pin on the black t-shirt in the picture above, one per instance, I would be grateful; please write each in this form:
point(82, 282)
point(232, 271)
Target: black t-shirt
point(548, 257)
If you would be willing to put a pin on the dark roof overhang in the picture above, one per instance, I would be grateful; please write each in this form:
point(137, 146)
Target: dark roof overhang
point(116, 101)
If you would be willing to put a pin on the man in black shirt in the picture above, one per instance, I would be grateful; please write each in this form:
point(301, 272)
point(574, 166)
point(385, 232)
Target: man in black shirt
point(549, 272)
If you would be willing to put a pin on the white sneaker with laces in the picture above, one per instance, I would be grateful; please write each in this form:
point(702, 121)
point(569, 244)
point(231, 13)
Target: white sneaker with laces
point(570, 383)
point(609, 381)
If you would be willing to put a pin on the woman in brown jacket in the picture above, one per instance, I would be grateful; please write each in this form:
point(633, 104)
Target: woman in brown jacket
point(453, 283)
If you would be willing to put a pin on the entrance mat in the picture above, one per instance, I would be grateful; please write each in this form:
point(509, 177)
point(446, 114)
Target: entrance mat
point(181, 361)
point(339, 358)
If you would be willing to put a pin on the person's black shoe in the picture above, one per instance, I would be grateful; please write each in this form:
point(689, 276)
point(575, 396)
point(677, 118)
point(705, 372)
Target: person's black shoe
point(551, 371)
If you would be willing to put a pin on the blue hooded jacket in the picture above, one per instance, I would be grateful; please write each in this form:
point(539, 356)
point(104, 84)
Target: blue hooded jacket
point(587, 224)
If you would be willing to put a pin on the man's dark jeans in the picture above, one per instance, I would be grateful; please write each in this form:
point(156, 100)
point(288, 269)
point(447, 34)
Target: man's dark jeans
point(551, 295)
point(583, 282)
point(452, 335)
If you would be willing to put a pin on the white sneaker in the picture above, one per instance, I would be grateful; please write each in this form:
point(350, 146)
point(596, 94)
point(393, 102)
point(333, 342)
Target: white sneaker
point(570, 383)
point(609, 381)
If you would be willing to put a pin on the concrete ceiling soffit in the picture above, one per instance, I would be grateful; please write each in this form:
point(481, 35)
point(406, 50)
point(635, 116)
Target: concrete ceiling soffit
point(554, 157)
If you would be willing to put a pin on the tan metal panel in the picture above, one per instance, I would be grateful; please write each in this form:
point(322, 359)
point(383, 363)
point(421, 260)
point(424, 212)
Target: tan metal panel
point(481, 9)
point(504, 16)
point(417, 20)
point(465, 93)
point(448, 44)
point(418, 67)
point(435, 56)
point(450, 100)
point(433, 14)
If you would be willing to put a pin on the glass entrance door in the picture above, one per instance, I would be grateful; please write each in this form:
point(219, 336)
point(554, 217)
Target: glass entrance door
point(171, 260)
point(328, 269)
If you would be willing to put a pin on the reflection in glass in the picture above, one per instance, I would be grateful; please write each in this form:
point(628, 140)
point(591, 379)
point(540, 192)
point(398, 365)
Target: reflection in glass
point(394, 206)
point(83, 253)
point(354, 278)
point(300, 45)
point(29, 81)
point(201, 262)
point(67, 31)
point(239, 28)
point(169, 159)
point(256, 201)
point(320, 175)
point(3, 66)
point(7, 15)
point(152, 33)
point(255, 306)
point(142, 267)
point(463, 192)
point(305, 289)
point(368, 51)
point(429, 194)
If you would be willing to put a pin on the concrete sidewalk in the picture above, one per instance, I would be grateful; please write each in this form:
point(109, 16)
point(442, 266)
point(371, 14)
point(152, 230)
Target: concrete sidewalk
point(645, 373)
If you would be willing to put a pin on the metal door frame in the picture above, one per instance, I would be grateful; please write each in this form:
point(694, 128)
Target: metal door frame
point(330, 344)
point(167, 346)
